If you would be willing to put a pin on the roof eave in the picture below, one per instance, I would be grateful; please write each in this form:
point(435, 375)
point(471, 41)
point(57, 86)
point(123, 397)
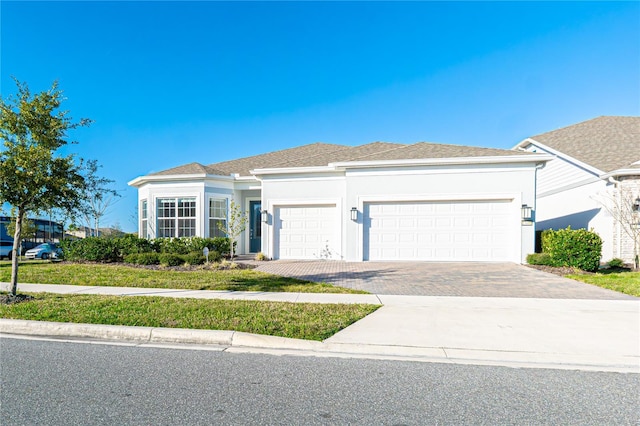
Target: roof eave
point(292, 170)
point(530, 158)
point(621, 172)
point(343, 165)
point(141, 180)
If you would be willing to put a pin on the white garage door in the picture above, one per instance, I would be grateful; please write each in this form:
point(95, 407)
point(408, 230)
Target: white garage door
point(306, 232)
point(440, 231)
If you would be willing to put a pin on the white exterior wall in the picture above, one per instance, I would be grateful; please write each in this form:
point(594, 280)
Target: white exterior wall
point(318, 189)
point(579, 207)
point(355, 187)
point(202, 190)
point(570, 194)
point(153, 191)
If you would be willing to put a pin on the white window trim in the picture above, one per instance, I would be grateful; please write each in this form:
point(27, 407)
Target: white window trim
point(194, 197)
point(225, 197)
point(144, 220)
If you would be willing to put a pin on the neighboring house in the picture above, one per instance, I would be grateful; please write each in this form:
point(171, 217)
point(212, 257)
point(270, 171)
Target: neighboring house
point(595, 175)
point(86, 231)
point(379, 201)
point(83, 232)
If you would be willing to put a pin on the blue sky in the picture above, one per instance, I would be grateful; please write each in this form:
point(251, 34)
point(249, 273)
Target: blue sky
point(169, 83)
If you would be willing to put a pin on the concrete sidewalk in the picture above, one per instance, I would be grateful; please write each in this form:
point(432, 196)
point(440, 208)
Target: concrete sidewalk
point(600, 335)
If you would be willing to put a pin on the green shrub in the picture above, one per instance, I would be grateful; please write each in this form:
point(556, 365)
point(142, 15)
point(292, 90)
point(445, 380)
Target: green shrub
point(194, 258)
point(92, 249)
point(539, 259)
point(151, 258)
point(130, 244)
point(214, 256)
point(131, 258)
point(577, 248)
point(116, 249)
point(616, 263)
point(172, 245)
point(221, 245)
point(171, 259)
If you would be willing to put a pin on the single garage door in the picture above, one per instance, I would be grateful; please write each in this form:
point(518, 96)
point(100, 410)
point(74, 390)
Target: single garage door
point(440, 231)
point(306, 232)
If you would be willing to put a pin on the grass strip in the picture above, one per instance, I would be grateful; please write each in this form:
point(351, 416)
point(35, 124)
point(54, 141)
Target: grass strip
point(128, 276)
point(308, 321)
point(623, 282)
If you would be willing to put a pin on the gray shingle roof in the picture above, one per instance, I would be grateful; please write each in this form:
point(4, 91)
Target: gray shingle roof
point(607, 143)
point(300, 154)
point(190, 169)
point(322, 154)
point(435, 150)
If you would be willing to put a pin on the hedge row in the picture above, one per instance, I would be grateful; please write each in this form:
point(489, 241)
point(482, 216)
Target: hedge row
point(576, 248)
point(106, 249)
point(171, 259)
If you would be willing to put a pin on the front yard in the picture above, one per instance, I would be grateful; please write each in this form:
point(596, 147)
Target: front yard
point(623, 282)
point(120, 275)
point(311, 321)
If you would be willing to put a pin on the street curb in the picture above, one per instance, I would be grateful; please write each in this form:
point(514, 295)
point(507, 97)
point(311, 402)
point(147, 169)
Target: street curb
point(116, 332)
point(237, 342)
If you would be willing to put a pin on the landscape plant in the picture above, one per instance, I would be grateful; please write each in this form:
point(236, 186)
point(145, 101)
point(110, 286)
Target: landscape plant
point(623, 204)
point(577, 248)
point(236, 224)
point(35, 174)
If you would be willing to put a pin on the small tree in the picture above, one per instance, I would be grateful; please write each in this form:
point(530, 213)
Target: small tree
point(98, 198)
point(34, 176)
point(29, 228)
point(236, 224)
point(621, 204)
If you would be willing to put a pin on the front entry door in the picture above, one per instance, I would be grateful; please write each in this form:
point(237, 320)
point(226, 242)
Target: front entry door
point(255, 226)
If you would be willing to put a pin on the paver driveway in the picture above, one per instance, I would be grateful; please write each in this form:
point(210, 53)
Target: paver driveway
point(467, 279)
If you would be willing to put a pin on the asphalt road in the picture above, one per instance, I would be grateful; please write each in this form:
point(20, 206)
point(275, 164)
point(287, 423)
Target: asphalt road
point(63, 383)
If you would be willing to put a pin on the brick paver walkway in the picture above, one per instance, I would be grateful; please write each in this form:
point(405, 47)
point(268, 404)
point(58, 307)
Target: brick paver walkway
point(440, 279)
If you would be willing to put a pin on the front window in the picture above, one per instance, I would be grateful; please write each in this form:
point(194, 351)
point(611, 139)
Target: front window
point(143, 219)
point(176, 217)
point(217, 217)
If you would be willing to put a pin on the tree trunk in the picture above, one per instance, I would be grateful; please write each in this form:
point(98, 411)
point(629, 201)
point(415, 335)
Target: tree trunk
point(14, 255)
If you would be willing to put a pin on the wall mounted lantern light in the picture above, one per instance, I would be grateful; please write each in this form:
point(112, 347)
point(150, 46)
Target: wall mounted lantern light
point(527, 213)
point(636, 205)
point(354, 214)
point(264, 216)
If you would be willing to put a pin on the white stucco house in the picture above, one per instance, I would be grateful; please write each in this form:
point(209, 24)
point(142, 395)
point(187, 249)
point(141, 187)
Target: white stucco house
point(379, 201)
point(594, 173)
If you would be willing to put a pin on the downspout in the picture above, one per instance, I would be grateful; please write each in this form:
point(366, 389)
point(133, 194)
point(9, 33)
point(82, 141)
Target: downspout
point(539, 166)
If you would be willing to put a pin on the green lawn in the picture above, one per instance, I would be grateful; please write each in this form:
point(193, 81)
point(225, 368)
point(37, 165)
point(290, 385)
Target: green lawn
point(295, 320)
point(623, 282)
point(127, 276)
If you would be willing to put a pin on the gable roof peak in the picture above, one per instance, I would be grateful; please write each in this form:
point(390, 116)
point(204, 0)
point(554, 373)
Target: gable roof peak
point(606, 143)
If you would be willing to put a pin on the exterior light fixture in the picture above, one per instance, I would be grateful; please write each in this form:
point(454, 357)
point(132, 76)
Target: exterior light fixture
point(354, 214)
point(636, 205)
point(527, 213)
point(264, 216)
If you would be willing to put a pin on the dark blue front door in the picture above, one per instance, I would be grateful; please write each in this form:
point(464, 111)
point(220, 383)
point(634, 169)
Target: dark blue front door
point(255, 226)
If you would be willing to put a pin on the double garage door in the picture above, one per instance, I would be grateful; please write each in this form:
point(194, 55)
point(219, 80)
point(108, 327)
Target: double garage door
point(428, 231)
point(439, 231)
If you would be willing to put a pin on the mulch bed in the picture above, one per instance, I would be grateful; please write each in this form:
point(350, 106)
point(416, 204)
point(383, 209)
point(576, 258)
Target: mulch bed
point(9, 299)
point(564, 270)
point(559, 270)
